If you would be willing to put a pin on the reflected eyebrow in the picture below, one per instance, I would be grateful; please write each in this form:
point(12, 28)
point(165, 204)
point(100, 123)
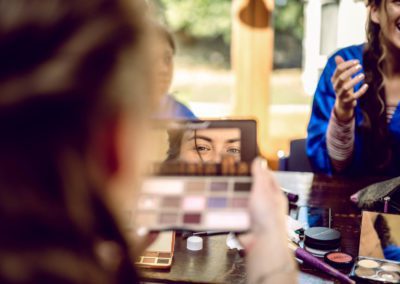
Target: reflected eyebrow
point(232, 140)
point(200, 137)
point(229, 141)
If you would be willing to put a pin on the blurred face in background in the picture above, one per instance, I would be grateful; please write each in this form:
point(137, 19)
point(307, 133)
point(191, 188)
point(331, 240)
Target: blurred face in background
point(210, 145)
point(163, 66)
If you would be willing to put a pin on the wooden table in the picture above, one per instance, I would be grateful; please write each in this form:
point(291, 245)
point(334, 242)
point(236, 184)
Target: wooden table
point(217, 264)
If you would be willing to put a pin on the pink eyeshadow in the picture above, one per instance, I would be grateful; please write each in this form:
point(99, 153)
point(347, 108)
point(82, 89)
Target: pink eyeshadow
point(239, 202)
point(194, 203)
point(171, 202)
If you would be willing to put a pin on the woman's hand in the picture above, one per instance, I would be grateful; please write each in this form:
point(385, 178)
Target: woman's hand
point(268, 204)
point(343, 84)
point(268, 238)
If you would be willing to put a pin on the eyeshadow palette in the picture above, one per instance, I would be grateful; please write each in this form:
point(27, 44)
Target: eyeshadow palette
point(194, 203)
point(160, 253)
point(375, 270)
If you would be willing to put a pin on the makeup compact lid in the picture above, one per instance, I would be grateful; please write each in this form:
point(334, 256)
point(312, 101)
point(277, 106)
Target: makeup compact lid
point(322, 238)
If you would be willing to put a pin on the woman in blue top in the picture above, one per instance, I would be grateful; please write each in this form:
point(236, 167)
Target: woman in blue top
point(355, 122)
point(168, 106)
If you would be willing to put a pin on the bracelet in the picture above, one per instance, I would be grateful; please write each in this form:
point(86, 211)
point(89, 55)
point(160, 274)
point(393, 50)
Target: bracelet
point(283, 269)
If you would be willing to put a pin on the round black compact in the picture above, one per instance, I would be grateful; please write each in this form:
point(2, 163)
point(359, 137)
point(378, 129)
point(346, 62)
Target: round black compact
point(322, 239)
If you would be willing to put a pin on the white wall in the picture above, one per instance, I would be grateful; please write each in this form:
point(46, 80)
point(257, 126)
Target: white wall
point(350, 29)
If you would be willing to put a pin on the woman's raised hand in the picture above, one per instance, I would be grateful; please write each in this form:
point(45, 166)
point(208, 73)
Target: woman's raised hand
point(343, 84)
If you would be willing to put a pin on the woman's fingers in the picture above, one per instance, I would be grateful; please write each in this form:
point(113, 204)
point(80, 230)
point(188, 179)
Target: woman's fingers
point(345, 76)
point(267, 202)
point(361, 91)
point(342, 67)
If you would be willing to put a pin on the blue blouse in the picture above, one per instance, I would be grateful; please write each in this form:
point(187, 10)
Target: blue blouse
point(171, 108)
point(324, 100)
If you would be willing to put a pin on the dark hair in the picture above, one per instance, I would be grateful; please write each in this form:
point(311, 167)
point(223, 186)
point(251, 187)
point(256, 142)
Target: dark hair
point(377, 150)
point(64, 66)
point(174, 142)
point(163, 31)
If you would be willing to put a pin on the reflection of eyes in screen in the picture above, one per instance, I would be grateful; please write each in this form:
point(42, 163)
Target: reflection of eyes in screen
point(210, 145)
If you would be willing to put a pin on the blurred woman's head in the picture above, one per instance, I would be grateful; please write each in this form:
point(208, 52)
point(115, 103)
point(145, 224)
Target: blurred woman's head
point(164, 51)
point(68, 103)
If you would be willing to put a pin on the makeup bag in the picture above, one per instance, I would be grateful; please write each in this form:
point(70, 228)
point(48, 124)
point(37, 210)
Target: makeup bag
point(375, 196)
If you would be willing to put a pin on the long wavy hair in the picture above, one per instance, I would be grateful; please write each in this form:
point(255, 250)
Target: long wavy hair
point(67, 67)
point(377, 150)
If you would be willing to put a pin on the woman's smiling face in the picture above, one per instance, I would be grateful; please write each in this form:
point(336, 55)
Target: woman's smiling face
point(387, 16)
point(210, 145)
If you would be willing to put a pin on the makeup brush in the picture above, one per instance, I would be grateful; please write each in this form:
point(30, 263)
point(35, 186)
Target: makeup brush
point(306, 257)
point(186, 235)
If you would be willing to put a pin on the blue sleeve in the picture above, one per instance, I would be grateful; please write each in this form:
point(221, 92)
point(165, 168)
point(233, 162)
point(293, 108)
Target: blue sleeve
point(392, 252)
point(324, 100)
point(183, 111)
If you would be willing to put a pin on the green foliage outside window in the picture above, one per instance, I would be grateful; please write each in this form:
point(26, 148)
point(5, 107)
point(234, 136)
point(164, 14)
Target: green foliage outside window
point(212, 18)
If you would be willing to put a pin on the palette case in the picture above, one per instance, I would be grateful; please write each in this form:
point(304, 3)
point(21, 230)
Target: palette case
point(159, 254)
point(199, 195)
point(373, 270)
point(194, 204)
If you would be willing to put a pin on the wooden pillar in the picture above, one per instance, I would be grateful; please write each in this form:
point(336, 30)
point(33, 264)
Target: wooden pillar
point(252, 57)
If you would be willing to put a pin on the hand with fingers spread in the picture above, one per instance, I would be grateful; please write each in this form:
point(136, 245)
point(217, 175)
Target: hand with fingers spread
point(343, 83)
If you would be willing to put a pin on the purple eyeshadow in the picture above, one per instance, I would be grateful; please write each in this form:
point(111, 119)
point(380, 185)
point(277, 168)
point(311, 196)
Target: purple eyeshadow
point(217, 202)
point(242, 187)
point(171, 201)
point(192, 218)
point(219, 186)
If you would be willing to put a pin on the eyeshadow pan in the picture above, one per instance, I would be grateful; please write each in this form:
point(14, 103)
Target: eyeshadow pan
point(149, 202)
point(163, 186)
point(221, 220)
point(364, 272)
point(390, 276)
point(146, 219)
point(195, 186)
point(163, 260)
point(217, 202)
point(192, 218)
point(242, 187)
point(164, 254)
point(168, 218)
point(149, 260)
point(150, 253)
point(390, 267)
point(219, 186)
point(239, 202)
point(194, 203)
point(171, 202)
point(368, 263)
